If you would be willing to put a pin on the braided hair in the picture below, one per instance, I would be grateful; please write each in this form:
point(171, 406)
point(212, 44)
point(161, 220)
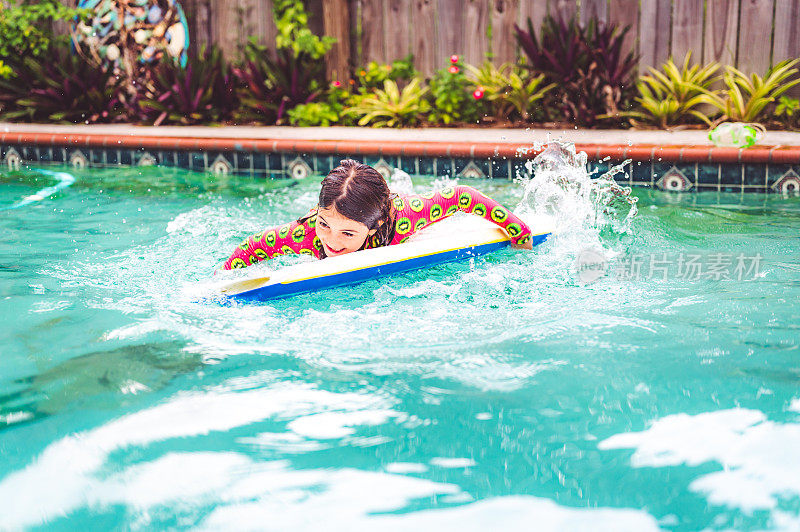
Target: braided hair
point(357, 191)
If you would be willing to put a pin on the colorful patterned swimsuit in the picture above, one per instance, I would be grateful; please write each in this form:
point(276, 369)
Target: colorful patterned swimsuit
point(411, 212)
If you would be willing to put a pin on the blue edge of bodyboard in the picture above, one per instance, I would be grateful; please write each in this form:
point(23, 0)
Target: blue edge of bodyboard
point(364, 274)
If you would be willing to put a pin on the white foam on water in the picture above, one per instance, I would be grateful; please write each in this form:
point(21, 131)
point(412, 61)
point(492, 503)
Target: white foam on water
point(795, 405)
point(760, 465)
point(405, 467)
point(329, 425)
point(284, 442)
point(452, 463)
point(64, 476)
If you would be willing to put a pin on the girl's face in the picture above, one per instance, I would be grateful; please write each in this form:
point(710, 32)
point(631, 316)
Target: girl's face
point(340, 235)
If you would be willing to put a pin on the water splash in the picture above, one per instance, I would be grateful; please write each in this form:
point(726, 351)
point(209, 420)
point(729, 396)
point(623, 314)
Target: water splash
point(586, 213)
point(562, 188)
point(64, 180)
point(400, 182)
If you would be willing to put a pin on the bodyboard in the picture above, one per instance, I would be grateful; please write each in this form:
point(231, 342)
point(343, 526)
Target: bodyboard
point(455, 238)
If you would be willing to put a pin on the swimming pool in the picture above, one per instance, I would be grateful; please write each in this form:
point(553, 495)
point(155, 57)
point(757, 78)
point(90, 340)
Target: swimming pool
point(510, 389)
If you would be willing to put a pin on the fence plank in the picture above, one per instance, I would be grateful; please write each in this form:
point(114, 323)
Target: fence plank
point(449, 30)
point(755, 28)
point(594, 9)
point(372, 42)
point(504, 15)
point(564, 9)
point(687, 30)
point(722, 21)
point(535, 10)
point(232, 21)
point(336, 23)
point(423, 30)
point(476, 23)
point(787, 38)
point(654, 26)
point(626, 13)
point(398, 39)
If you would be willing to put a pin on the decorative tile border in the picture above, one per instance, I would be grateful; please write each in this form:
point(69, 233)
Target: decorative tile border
point(673, 168)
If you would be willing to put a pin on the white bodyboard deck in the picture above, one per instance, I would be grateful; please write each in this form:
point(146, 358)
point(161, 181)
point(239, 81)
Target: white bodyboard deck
point(455, 238)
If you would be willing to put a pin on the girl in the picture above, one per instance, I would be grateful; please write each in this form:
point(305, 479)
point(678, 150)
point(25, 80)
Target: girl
point(356, 211)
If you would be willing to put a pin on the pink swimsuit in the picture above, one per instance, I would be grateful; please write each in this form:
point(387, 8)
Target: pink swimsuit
point(411, 212)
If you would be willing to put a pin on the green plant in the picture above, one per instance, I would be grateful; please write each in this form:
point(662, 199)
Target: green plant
point(25, 29)
point(452, 95)
point(788, 111)
point(271, 85)
point(745, 99)
point(374, 74)
point(391, 107)
point(313, 114)
point(65, 88)
point(593, 76)
point(673, 95)
point(510, 90)
point(201, 92)
point(291, 21)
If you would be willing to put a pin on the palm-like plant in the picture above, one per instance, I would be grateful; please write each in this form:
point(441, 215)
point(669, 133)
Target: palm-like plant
point(672, 95)
point(493, 79)
point(392, 107)
point(510, 90)
point(744, 98)
point(521, 93)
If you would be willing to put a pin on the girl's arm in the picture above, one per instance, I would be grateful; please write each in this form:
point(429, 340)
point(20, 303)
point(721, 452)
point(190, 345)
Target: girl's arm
point(296, 237)
point(418, 211)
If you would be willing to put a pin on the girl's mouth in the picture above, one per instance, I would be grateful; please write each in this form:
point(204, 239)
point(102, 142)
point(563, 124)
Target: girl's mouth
point(330, 251)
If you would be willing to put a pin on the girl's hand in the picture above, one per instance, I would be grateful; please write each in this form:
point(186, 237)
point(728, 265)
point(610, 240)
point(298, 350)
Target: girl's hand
point(526, 245)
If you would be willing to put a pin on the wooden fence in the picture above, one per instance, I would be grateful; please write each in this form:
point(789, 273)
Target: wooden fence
point(751, 34)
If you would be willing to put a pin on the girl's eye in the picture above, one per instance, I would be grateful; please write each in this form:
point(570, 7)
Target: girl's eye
point(323, 224)
point(348, 234)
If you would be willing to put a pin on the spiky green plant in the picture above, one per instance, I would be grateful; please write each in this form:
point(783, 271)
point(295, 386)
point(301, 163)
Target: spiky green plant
point(510, 90)
point(392, 107)
point(492, 78)
point(673, 95)
point(745, 99)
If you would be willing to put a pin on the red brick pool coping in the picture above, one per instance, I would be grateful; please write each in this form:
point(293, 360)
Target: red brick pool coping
point(618, 152)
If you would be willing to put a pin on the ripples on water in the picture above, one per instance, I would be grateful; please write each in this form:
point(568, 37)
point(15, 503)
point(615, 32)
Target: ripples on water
point(502, 389)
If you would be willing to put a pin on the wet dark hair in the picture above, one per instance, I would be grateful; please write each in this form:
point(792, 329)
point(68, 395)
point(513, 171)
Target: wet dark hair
point(357, 191)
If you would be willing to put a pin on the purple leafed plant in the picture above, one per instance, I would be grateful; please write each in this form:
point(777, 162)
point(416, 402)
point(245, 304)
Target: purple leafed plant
point(203, 91)
point(65, 88)
point(594, 77)
point(270, 86)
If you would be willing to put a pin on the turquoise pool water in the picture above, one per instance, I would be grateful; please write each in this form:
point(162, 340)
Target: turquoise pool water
point(507, 390)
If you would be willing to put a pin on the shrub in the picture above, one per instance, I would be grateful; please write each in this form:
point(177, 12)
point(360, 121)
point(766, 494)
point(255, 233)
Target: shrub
point(593, 77)
point(745, 99)
point(788, 112)
point(511, 91)
point(270, 86)
point(65, 88)
point(25, 30)
point(672, 96)
point(374, 74)
point(392, 107)
point(203, 91)
point(451, 92)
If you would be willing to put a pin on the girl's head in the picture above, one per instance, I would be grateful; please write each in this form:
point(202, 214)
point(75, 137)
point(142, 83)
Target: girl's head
point(354, 204)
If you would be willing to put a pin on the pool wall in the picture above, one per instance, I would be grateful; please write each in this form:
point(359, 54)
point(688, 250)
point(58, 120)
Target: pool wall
point(774, 168)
